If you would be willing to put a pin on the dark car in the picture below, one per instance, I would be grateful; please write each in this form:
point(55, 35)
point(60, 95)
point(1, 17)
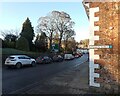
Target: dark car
point(77, 55)
point(80, 54)
point(57, 58)
point(43, 60)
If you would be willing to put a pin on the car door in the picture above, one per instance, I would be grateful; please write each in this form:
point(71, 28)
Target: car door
point(27, 60)
point(22, 60)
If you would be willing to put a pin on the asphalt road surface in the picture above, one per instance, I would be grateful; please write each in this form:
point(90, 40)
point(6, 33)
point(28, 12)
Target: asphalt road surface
point(16, 79)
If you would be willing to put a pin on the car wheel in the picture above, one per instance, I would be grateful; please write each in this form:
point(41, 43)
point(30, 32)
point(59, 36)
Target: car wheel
point(33, 64)
point(46, 62)
point(18, 65)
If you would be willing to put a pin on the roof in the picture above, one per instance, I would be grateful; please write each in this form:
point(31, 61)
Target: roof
point(86, 6)
point(16, 55)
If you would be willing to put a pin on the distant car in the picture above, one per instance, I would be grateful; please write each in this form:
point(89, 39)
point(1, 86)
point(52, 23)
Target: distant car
point(57, 58)
point(19, 60)
point(68, 57)
point(43, 60)
point(76, 55)
point(80, 54)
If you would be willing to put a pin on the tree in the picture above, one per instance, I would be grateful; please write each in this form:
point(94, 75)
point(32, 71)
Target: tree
point(14, 32)
point(22, 44)
point(63, 23)
point(56, 38)
point(71, 45)
point(47, 25)
point(27, 32)
point(68, 34)
point(55, 22)
point(85, 43)
point(10, 37)
point(10, 41)
point(41, 42)
point(1, 43)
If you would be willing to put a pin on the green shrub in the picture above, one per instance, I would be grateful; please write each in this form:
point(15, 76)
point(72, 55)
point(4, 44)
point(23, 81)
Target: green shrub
point(22, 44)
point(8, 44)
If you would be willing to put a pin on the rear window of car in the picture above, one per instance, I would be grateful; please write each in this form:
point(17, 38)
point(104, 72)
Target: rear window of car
point(39, 58)
point(46, 57)
point(59, 56)
point(11, 57)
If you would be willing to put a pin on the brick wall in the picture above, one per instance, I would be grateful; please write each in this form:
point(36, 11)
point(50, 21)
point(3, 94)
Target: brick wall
point(109, 33)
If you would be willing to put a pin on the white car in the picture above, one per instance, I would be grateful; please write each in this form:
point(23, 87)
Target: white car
point(68, 57)
point(19, 60)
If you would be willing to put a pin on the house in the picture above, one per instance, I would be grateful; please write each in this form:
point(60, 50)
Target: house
point(108, 34)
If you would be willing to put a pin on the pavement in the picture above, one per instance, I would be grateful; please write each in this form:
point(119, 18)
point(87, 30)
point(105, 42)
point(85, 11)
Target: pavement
point(71, 81)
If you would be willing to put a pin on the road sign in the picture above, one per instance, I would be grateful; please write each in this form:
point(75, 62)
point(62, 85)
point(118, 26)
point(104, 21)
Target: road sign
point(55, 48)
point(100, 46)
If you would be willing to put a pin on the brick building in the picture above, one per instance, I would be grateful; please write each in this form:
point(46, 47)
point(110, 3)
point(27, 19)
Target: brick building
point(109, 34)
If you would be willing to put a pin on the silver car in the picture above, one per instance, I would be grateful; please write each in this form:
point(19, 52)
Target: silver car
point(19, 60)
point(68, 57)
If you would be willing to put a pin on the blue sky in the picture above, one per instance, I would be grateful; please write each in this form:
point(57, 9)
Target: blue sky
point(13, 14)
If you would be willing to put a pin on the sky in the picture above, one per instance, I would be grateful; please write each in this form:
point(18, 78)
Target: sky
point(13, 15)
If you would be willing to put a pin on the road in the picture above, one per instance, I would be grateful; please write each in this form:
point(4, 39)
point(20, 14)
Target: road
point(16, 79)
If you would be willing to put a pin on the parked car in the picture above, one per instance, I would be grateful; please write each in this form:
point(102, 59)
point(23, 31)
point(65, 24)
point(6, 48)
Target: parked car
point(57, 58)
point(76, 55)
point(19, 60)
point(68, 57)
point(43, 60)
point(80, 54)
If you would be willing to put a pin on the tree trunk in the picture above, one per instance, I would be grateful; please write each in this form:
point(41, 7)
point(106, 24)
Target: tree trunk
point(66, 45)
point(60, 41)
point(51, 35)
